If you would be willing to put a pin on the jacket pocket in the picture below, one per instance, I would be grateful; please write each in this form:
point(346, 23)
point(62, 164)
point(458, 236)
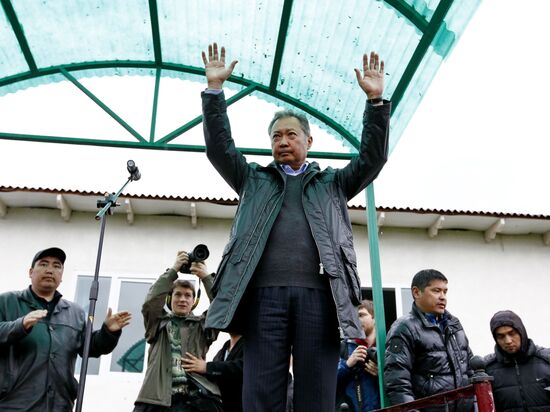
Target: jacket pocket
point(428, 386)
point(7, 371)
point(352, 278)
point(221, 268)
point(5, 383)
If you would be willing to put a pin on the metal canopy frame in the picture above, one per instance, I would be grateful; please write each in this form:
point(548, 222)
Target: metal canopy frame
point(427, 28)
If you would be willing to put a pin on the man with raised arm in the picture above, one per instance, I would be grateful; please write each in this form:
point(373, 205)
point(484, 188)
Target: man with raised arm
point(177, 337)
point(288, 278)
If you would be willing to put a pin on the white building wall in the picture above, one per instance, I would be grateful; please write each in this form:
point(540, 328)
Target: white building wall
point(512, 272)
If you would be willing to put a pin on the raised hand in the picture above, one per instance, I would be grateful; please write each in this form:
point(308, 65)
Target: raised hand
point(182, 258)
point(199, 269)
point(372, 79)
point(118, 320)
point(214, 64)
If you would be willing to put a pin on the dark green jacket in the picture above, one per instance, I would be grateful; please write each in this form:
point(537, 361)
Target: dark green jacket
point(261, 191)
point(37, 368)
point(157, 384)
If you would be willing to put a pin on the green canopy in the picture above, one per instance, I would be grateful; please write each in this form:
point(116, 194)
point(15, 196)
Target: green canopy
point(292, 52)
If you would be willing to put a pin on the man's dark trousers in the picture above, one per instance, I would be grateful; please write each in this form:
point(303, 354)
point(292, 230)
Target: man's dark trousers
point(290, 318)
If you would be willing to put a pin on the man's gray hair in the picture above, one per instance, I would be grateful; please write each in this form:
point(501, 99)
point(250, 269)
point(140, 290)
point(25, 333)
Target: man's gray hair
point(304, 124)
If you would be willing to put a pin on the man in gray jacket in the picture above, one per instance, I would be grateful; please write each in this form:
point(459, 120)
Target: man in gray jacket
point(40, 335)
point(288, 277)
point(427, 351)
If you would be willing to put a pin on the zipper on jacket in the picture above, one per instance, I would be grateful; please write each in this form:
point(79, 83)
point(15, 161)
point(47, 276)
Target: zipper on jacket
point(321, 266)
point(460, 359)
point(521, 392)
point(256, 245)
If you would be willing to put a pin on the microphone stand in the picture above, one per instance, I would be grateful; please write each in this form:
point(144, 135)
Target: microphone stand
point(107, 206)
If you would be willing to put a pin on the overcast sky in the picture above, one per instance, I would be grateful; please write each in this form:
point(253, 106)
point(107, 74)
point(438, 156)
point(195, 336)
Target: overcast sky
point(479, 140)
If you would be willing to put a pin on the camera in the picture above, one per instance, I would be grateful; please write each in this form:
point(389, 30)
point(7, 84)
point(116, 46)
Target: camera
point(371, 354)
point(199, 254)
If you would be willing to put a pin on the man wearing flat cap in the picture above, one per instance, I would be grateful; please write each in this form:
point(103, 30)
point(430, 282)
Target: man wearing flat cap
point(40, 335)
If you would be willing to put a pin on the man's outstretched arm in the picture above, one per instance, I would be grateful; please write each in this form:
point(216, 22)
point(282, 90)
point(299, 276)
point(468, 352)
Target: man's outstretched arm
point(220, 147)
point(373, 151)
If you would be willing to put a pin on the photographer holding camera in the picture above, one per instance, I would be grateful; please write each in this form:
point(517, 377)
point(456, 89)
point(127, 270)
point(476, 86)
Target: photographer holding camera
point(175, 334)
point(358, 370)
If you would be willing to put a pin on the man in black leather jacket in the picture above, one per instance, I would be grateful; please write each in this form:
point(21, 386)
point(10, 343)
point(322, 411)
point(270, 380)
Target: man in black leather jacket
point(521, 370)
point(427, 351)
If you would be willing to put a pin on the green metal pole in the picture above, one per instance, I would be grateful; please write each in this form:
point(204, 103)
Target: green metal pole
point(377, 294)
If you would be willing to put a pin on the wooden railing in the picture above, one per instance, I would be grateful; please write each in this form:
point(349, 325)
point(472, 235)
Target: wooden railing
point(480, 388)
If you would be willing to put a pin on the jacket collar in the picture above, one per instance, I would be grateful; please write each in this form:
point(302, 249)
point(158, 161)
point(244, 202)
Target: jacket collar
point(451, 321)
point(273, 166)
point(28, 296)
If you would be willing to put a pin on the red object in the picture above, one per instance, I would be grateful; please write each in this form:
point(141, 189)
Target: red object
point(480, 388)
point(484, 395)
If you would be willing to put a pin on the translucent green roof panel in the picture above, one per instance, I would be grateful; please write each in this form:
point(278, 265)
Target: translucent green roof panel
point(12, 60)
point(292, 52)
point(61, 32)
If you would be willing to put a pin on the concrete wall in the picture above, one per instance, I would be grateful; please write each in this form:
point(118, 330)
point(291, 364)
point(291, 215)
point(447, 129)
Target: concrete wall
point(512, 272)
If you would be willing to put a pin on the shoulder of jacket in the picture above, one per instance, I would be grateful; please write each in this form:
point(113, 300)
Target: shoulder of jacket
point(404, 325)
point(12, 294)
point(543, 353)
point(489, 359)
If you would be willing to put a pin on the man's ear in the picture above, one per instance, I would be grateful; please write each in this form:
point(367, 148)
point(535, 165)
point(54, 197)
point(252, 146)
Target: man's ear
point(309, 142)
point(416, 292)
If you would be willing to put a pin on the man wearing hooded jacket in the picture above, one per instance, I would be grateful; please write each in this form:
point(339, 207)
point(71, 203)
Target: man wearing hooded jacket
point(521, 370)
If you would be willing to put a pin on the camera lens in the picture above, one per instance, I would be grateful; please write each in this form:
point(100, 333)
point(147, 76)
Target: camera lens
point(201, 252)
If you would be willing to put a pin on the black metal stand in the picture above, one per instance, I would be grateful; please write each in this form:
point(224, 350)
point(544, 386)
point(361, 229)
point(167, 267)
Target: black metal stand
point(107, 205)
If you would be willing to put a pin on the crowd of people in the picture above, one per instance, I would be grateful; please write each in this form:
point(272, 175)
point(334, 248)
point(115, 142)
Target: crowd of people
point(305, 313)
point(426, 353)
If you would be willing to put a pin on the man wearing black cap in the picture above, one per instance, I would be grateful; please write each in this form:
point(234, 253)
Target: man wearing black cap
point(520, 368)
point(40, 336)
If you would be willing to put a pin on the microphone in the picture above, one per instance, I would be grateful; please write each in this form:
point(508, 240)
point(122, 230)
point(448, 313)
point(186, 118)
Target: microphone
point(133, 170)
